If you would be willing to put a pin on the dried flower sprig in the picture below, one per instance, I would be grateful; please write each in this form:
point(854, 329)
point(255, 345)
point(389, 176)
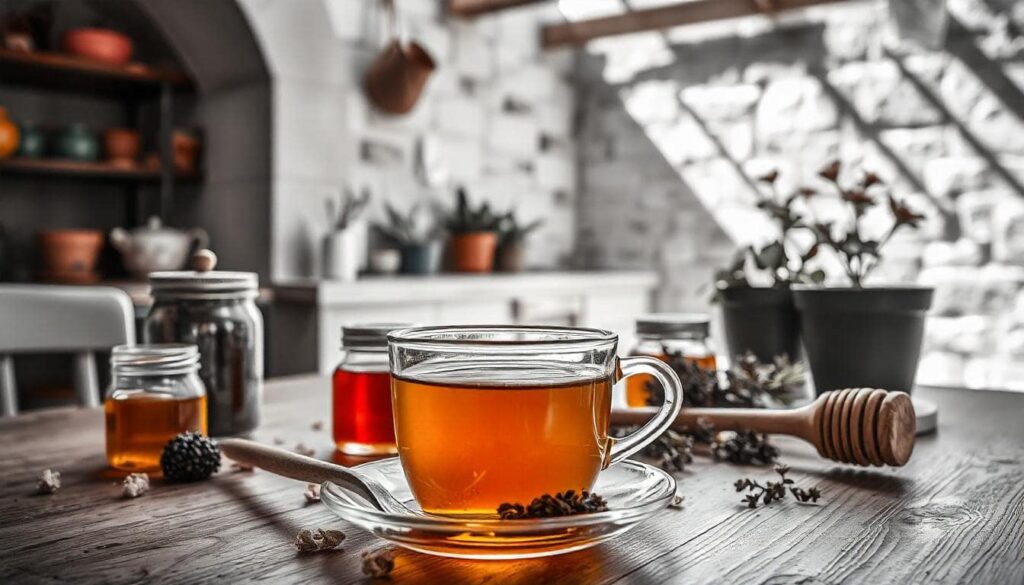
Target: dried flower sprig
point(567, 503)
point(318, 539)
point(752, 384)
point(135, 485)
point(672, 451)
point(49, 482)
point(857, 252)
point(744, 448)
point(774, 491)
point(378, 564)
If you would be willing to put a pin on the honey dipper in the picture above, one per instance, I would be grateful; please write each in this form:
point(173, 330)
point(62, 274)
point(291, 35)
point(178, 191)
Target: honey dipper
point(862, 426)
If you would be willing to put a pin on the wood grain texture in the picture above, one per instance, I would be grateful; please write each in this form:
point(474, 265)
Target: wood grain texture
point(955, 513)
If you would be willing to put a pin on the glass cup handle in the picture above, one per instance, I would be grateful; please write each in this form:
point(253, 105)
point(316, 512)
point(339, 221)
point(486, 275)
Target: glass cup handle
point(652, 429)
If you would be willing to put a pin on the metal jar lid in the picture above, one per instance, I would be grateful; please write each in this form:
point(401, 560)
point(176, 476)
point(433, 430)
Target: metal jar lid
point(203, 282)
point(668, 325)
point(372, 336)
point(154, 359)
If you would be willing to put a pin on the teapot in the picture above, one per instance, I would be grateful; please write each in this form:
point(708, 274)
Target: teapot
point(154, 247)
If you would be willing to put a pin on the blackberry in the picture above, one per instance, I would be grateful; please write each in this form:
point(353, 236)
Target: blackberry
point(190, 457)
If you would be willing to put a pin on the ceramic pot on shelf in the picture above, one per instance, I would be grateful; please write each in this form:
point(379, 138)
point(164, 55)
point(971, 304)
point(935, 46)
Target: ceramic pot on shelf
point(385, 261)
point(69, 255)
point(122, 147)
point(78, 142)
point(155, 247)
point(421, 258)
point(344, 252)
point(474, 251)
point(98, 44)
point(185, 151)
point(9, 135)
point(33, 140)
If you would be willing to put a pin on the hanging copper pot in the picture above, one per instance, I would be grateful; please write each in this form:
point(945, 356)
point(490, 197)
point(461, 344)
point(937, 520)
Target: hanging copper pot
point(397, 76)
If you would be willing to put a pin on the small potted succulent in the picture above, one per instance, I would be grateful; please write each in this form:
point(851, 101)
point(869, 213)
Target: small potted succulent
point(860, 336)
point(755, 289)
point(511, 236)
point(344, 246)
point(415, 236)
point(474, 235)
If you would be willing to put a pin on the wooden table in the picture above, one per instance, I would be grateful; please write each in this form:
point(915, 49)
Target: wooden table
point(954, 514)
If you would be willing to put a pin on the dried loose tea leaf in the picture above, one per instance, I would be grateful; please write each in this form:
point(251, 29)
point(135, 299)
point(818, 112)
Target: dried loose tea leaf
point(378, 564)
point(318, 539)
point(744, 447)
point(304, 449)
point(774, 491)
point(312, 492)
point(566, 503)
point(317, 425)
point(135, 485)
point(49, 482)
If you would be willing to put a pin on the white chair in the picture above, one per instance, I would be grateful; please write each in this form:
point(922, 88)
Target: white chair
point(61, 319)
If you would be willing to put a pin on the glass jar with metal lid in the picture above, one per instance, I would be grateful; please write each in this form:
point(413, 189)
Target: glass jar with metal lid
point(663, 335)
point(155, 393)
point(216, 311)
point(363, 421)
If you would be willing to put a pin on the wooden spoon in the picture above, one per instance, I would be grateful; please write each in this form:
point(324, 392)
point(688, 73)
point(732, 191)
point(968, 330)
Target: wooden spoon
point(862, 426)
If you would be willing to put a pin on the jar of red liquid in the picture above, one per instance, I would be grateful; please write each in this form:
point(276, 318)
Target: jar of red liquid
point(363, 424)
point(662, 334)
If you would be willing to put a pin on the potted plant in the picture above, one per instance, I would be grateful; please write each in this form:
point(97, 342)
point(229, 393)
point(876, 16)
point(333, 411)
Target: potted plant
point(859, 336)
point(344, 246)
point(510, 242)
point(414, 236)
point(474, 235)
point(761, 318)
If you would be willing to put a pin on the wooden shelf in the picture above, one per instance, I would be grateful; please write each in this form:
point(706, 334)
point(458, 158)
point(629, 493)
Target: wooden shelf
point(68, 73)
point(83, 170)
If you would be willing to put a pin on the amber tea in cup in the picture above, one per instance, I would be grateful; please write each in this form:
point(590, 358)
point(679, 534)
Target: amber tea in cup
point(487, 415)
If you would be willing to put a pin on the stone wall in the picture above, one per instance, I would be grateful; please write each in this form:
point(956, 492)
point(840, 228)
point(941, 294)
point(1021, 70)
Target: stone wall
point(495, 117)
point(723, 104)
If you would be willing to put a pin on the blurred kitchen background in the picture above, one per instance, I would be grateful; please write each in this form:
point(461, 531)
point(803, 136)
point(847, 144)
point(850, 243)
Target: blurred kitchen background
point(633, 130)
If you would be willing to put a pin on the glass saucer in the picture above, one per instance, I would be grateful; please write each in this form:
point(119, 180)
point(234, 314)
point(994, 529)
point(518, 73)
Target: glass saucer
point(634, 491)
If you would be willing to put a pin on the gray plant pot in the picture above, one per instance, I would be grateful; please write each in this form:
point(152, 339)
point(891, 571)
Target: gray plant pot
point(863, 338)
point(761, 320)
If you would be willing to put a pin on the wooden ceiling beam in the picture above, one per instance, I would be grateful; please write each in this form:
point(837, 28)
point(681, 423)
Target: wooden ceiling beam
point(478, 7)
point(578, 33)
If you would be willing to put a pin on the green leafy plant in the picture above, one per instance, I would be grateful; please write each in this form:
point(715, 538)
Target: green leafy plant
point(347, 208)
point(466, 219)
point(414, 228)
point(511, 232)
point(857, 252)
point(783, 261)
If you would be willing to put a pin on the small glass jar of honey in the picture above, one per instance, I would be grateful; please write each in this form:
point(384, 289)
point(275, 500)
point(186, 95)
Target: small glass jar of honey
point(155, 394)
point(662, 335)
point(363, 422)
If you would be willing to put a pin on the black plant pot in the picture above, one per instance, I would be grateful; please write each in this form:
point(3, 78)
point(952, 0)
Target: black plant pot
point(420, 258)
point(863, 338)
point(761, 320)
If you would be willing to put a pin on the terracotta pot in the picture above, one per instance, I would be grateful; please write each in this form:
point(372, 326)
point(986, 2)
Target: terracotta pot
point(185, 151)
point(9, 135)
point(98, 44)
point(397, 76)
point(474, 252)
point(69, 255)
point(122, 146)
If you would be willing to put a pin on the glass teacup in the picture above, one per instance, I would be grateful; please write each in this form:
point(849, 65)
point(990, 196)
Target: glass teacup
point(486, 415)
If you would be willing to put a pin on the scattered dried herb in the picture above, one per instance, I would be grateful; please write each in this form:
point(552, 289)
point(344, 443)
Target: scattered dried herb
point(312, 493)
point(49, 482)
point(743, 447)
point(566, 503)
point(378, 564)
point(304, 449)
point(699, 385)
point(190, 457)
point(317, 425)
point(774, 491)
point(318, 539)
point(672, 451)
point(135, 485)
point(751, 383)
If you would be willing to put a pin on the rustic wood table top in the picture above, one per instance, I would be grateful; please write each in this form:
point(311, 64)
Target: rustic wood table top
point(955, 513)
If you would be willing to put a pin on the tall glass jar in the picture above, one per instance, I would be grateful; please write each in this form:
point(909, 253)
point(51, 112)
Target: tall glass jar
point(662, 335)
point(155, 393)
point(217, 312)
point(363, 422)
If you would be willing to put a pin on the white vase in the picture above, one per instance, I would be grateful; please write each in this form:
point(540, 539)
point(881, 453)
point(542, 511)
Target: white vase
point(344, 253)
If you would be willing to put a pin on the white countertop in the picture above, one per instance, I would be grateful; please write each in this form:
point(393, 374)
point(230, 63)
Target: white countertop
point(447, 287)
